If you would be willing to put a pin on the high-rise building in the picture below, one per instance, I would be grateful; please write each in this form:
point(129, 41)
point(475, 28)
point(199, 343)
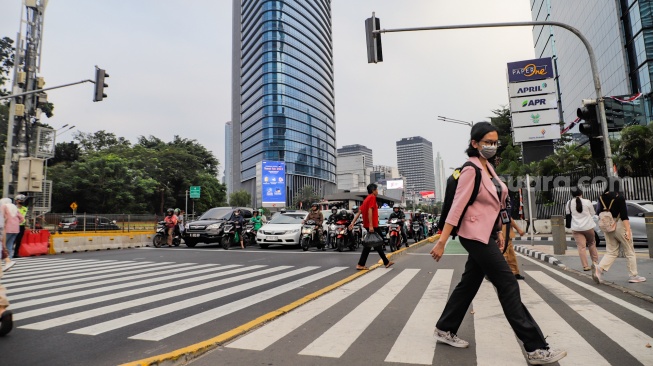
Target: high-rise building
point(353, 175)
point(357, 150)
point(619, 32)
point(415, 162)
point(228, 156)
point(383, 172)
point(283, 106)
point(440, 178)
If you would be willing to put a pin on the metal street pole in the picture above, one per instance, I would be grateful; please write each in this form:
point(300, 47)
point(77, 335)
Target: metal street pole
point(590, 51)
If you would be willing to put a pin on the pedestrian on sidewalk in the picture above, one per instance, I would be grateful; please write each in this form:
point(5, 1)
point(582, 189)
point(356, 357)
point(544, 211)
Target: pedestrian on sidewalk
point(480, 234)
point(20, 204)
point(6, 317)
point(621, 237)
point(582, 226)
point(509, 250)
point(10, 219)
point(370, 212)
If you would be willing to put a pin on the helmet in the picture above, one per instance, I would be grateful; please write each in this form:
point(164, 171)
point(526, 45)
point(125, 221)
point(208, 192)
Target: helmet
point(355, 209)
point(418, 211)
point(20, 197)
point(255, 212)
point(397, 207)
point(334, 209)
point(343, 212)
point(170, 211)
point(260, 211)
point(177, 211)
point(314, 204)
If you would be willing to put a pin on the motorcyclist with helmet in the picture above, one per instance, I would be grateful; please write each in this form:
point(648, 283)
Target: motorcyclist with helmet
point(171, 222)
point(316, 215)
point(398, 214)
point(419, 218)
point(331, 220)
point(239, 222)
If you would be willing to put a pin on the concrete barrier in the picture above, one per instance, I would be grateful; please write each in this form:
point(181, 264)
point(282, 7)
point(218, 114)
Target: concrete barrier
point(70, 243)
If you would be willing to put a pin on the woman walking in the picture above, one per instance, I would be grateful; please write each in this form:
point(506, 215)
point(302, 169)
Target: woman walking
point(621, 237)
point(582, 226)
point(479, 229)
point(11, 218)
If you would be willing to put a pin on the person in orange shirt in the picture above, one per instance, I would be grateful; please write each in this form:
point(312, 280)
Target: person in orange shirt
point(171, 222)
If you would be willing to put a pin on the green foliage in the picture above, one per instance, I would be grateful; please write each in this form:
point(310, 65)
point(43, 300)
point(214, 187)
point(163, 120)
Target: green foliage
point(6, 62)
point(240, 198)
point(306, 196)
point(635, 150)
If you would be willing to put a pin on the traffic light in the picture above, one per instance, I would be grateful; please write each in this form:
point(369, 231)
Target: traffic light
point(591, 127)
point(100, 75)
point(374, 51)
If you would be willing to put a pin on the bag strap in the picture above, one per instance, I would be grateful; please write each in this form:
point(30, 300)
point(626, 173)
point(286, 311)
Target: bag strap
point(603, 203)
point(477, 186)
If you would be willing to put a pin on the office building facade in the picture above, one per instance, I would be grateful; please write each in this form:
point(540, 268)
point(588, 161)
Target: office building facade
point(415, 162)
point(357, 150)
point(283, 106)
point(440, 178)
point(619, 32)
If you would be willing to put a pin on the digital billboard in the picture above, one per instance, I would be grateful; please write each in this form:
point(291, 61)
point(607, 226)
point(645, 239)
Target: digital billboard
point(273, 183)
point(395, 184)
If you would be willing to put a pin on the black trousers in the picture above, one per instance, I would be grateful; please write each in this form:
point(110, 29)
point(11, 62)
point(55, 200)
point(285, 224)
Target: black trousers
point(19, 238)
point(366, 253)
point(488, 260)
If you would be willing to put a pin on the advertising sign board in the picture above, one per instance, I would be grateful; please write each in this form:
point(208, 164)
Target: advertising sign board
point(535, 87)
point(273, 183)
point(395, 184)
point(535, 118)
point(533, 103)
point(541, 68)
point(536, 133)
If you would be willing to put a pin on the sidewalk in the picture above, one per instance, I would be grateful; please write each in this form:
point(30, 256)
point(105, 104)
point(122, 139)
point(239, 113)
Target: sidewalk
point(617, 277)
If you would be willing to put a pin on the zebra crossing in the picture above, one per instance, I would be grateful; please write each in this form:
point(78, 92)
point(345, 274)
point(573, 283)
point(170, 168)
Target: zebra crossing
point(49, 293)
point(493, 342)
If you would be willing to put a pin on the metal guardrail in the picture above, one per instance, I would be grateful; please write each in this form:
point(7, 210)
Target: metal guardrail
point(96, 222)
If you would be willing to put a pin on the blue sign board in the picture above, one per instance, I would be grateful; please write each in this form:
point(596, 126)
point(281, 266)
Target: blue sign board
point(541, 68)
point(273, 183)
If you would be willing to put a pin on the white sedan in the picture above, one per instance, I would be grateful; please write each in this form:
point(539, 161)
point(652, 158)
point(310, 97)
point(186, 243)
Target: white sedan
point(282, 229)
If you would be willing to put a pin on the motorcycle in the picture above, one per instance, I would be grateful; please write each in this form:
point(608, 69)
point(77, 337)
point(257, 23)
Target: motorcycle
point(357, 232)
point(342, 235)
point(394, 231)
point(229, 234)
point(418, 232)
point(161, 236)
point(310, 235)
point(249, 235)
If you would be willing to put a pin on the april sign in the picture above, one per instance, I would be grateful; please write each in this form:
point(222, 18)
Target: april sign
point(274, 183)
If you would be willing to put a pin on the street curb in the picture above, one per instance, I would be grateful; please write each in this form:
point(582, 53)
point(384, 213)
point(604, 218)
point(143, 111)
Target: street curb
point(539, 255)
point(193, 351)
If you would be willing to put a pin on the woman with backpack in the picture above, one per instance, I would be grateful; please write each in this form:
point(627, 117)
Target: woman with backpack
point(614, 222)
point(582, 226)
point(478, 226)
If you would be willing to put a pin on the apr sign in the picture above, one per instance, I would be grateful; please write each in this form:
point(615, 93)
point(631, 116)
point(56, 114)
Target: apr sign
point(533, 103)
point(541, 68)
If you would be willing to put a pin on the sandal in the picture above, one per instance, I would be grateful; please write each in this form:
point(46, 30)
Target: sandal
point(389, 264)
point(359, 268)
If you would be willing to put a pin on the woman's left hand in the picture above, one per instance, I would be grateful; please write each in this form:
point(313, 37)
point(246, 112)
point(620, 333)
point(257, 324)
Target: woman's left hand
point(500, 240)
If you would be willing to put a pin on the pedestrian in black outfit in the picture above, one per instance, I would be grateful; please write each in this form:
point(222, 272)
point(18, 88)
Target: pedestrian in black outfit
point(480, 234)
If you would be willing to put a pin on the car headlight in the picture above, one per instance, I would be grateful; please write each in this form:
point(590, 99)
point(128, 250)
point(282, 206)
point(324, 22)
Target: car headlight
point(213, 226)
point(292, 231)
point(186, 226)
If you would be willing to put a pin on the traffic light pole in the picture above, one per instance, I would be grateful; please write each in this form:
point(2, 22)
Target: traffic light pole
point(590, 51)
point(42, 90)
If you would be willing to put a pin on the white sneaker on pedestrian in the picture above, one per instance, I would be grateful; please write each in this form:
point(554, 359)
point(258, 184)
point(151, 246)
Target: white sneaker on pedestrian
point(450, 339)
point(8, 266)
point(635, 279)
point(545, 356)
point(596, 273)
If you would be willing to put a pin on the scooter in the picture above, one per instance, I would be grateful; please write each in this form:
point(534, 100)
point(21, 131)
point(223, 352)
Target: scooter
point(161, 237)
point(229, 234)
point(394, 231)
point(357, 232)
point(418, 232)
point(342, 235)
point(249, 235)
point(310, 236)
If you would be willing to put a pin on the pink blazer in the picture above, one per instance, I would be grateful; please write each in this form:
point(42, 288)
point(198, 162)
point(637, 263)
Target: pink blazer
point(481, 216)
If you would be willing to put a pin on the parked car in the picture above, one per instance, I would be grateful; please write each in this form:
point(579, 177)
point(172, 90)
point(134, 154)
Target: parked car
point(209, 227)
point(636, 210)
point(282, 229)
point(89, 223)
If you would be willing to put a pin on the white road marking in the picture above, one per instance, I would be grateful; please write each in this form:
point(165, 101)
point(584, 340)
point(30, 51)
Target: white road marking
point(79, 269)
point(335, 341)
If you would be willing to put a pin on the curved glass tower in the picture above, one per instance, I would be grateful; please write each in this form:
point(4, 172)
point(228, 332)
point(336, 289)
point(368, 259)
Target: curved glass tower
point(285, 107)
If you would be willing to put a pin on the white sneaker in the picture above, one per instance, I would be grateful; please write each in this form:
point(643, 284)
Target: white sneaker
point(635, 279)
point(450, 339)
point(545, 356)
point(596, 273)
point(8, 266)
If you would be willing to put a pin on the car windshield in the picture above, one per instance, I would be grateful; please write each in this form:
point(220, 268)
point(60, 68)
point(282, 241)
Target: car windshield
point(384, 214)
point(68, 219)
point(217, 214)
point(287, 218)
point(648, 206)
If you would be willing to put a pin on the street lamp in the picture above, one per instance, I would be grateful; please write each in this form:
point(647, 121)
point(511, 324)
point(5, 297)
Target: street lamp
point(457, 121)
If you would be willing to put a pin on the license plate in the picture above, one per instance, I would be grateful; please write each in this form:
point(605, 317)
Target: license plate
point(194, 235)
point(271, 238)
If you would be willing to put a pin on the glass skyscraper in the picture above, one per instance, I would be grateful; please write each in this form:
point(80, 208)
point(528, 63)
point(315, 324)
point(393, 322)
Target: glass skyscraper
point(283, 105)
point(621, 33)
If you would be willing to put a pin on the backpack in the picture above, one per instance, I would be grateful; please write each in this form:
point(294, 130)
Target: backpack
point(606, 221)
point(450, 192)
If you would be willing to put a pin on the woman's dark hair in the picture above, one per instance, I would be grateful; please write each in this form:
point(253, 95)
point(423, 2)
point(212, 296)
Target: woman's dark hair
point(479, 130)
point(577, 192)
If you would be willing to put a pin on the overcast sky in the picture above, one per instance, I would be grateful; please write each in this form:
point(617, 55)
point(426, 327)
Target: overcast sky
point(170, 69)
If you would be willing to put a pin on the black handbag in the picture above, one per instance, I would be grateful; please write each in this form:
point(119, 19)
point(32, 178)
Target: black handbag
point(568, 216)
point(372, 240)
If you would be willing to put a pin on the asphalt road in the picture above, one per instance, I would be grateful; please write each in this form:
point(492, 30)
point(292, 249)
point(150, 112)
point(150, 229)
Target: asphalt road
point(112, 307)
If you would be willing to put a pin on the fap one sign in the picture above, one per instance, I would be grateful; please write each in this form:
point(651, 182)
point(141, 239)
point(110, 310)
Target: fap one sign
point(541, 68)
point(533, 103)
point(529, 88)
point(536, 133)
point(535, 118)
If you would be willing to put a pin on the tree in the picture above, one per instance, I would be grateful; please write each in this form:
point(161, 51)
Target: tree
point(305, 197)
point(240, 198)
point(99, 140)
point(635, 149)
point(7, 52)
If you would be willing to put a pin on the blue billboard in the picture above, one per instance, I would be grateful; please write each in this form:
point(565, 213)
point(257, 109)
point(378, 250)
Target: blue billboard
point(541, 68)
point(273, 183)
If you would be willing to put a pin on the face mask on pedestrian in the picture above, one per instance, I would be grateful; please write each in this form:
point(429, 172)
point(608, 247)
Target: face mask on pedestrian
point(488, 151)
